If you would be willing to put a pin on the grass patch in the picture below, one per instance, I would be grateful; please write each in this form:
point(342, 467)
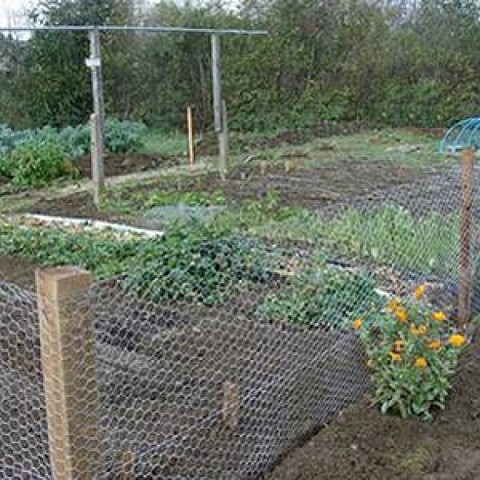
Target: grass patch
point(415, 462)
point(387, 235)
point(129, 201)
point(169, 143)
point(395, 146)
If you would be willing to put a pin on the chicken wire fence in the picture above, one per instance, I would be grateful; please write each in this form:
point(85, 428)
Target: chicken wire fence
point(155, 377)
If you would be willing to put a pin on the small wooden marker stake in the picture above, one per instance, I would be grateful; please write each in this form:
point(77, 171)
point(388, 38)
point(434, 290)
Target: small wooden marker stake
point(263, 168)
point(466, 215)
point(67, 340)
point(127, 466)
point(191, 136)
point(231, 404)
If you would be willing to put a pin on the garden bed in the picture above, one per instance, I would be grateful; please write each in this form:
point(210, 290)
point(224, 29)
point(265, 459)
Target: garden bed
point(305, 187)
point(126, 163)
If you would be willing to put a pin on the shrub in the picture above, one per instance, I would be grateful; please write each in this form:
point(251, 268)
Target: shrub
point(36, 163)
point(123, 136)
point(413, 353)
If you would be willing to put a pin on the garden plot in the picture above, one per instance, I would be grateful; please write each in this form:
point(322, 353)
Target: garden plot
point(170, 331)
point(261, 296)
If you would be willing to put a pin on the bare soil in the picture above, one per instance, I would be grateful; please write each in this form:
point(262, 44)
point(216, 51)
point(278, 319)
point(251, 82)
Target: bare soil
point(313, 188)
point(366, 445)
point(121, 164)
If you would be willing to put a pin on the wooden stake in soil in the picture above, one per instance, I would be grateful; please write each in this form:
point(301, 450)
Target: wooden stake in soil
point(127, 466)
point(231, 404)
point(223, 142)
point(191, 136)
point(464, 271)
point(263, 168)
point(68, 363)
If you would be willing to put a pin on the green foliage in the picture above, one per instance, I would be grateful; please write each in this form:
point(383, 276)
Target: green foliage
point(206, 271)
point(391, 235)
point(24, 154)
point(190, 263)
point(124, 136)
point(326, 297)
point(412, 353)
point(103, 254)
point(387, 235)
point(35, 163)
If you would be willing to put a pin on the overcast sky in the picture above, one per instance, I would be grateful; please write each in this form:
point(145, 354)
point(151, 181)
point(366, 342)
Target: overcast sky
point(10, 11)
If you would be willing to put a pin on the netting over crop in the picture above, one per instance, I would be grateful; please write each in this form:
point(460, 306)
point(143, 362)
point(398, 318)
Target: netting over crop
point(214, 358)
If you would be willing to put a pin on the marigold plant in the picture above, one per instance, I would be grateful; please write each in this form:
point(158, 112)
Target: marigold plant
point(412, 354)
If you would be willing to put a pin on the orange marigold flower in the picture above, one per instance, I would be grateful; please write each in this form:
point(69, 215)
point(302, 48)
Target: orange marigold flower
point(420, 363)
point(401, 314)
point(420, 292)
point(422, 329)
point(435, 345)
point(395, 356)
point(357, 324)
point(439, 316)
point(398, 345)
point(457, 340)
point(393, 305)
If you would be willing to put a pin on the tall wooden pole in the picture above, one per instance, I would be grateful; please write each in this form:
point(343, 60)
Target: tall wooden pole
point(218, 110)
point(95, 64)
point(466, 215)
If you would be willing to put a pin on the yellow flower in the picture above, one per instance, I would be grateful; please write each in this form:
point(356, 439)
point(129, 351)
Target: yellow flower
point(401, 314)
point(393, 305)
point(422, 329)
point(435, 345)
point(439, 316)
point(398, 345)
point(369, 363)
point(395, 356)
point(420, 292)
point(357, 324)
point(421, 362)
point(457, 340)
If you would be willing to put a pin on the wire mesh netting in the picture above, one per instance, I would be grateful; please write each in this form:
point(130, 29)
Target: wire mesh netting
point(219, 334)
point(217, 365)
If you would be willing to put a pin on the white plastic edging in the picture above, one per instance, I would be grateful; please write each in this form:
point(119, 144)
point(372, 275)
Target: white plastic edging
point(94, 224)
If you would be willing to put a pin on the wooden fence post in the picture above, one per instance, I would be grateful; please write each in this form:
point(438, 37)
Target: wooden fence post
point(68, 363)
point(98, 172)
point(464, 271)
